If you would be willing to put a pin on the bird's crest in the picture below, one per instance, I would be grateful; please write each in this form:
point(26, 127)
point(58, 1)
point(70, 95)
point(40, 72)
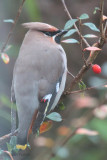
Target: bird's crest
point(40, 26)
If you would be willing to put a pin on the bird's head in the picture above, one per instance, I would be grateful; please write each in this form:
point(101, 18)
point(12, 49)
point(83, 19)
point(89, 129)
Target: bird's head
point(46, 29)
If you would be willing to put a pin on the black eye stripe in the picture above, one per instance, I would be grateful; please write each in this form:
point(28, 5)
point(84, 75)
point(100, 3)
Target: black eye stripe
point(51, 34)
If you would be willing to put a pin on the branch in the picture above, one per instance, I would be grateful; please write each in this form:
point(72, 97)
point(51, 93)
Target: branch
point(13, 26)
point(86, 89)
point(5, 137)
point(101, 18)
point(93, 54)
point(81, 45)
point(67, 11)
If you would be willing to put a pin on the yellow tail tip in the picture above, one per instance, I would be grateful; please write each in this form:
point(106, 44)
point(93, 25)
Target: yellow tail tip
point(22, 147)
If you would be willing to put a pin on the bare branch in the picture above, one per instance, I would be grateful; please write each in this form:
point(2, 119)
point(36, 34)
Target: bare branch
point(101, 18)
point(86, 89)
point(13, 26)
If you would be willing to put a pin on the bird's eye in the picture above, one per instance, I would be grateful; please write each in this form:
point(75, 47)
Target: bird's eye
point(47, 33)
point(51, 34)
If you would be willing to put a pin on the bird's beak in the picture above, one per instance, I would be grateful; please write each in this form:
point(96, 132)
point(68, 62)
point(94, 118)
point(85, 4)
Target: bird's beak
point(62, 32)
point(59, 35)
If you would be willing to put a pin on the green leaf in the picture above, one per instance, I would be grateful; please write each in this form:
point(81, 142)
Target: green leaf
point(70, 32)
point(8, 20)
point(91, 26)
point(84, 16)
point(13, 141)
point(12, 144)
point(95, 10)
point(70, 23)
point(89, 36)
point(9, 147)
point(61, 106)
point(54, 116)
point(70, 41)
point(82, 85)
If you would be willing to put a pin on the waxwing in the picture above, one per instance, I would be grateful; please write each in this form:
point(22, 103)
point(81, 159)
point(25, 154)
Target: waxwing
point(39, 77)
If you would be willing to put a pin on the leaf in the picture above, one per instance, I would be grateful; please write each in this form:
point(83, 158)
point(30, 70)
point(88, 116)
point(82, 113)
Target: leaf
point(9, 147)
point(70, 41)
point(70, 32)
point(82, 85)
point(12, 144)
point(89, 36)
point(5, 58)
point(91, 26)
point(61, 106)
point(54, 116)
point(8, 20)
point(84, 131)
point(13, 141)
point(95, 10)
point(92, 49)
point(84, 16)
point(70, 23)
point(45, 126)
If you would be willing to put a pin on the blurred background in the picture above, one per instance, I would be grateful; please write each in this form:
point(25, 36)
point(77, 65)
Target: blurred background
point(76, 106)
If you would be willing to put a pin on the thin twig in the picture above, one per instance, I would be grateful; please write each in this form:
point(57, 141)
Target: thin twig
point(90, 59)
point(81, 44)
point(93, 54)
point(67, 11)
point(86, 89)
point(69, 73)
point(13, 26)
point(101, 18)
point(7, 136)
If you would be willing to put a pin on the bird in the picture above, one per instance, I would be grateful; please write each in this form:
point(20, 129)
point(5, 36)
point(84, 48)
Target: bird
point(39, 77)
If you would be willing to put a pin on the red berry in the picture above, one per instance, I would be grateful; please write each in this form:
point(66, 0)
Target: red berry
point(96, 68)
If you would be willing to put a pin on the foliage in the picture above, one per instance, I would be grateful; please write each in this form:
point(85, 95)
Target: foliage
point(82, 133)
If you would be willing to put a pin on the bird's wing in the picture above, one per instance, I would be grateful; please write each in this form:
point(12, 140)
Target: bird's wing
point(46, 105)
